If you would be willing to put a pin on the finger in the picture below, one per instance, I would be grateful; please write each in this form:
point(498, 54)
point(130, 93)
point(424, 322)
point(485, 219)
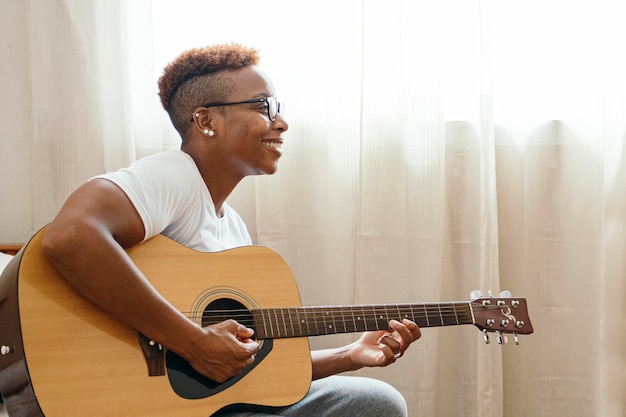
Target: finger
point(246, 354)
point(405, 334)
point(413, 328)
point(393, 345)
point(245, 336)
point(253, 347)
point(244, 332)
point(389, 355)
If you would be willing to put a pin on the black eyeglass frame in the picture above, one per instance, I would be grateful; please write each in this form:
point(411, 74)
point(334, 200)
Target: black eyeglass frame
point(252, 101)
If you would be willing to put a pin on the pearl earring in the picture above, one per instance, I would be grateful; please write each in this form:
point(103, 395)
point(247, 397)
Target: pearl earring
point(209, 132)
point(197, 114)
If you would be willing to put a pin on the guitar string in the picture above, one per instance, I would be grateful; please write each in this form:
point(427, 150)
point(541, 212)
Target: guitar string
point(319, 315)
point(326, 311)
point(361, 308)
point(348, 310)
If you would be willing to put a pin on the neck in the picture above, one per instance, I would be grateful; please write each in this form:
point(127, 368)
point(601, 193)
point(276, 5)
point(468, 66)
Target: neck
point(217, 178)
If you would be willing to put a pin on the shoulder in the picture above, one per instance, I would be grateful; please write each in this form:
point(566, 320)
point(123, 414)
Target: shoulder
point(173, 158)
point(164, 167)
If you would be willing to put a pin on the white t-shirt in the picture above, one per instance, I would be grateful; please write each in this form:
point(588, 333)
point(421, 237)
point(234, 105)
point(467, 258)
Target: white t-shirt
point(172, 199)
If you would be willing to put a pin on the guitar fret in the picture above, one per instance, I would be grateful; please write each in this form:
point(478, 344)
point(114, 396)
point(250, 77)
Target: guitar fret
point(325, 315)
point(320, 321)
point(306, 321)
point(381, 316)
point(353, 319)
point(440, 315)
point(274, 323)
point(270, 322)
point(264, 329)
point(364, 318)
point(436, 311)
point(385, 320)
point(408, 312)
point(334, 316)
point(332, 328)
point(456, 318)
point(282, 314)
point(343, 320)
point(289, 323)
point(368, 315)
point(297, 311)
point(312, 320)
point(451, 317)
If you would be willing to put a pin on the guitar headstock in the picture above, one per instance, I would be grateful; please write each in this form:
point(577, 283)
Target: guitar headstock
point(502, 314)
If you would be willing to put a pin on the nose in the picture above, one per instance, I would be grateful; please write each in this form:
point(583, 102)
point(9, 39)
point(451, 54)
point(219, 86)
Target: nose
point(280, 123)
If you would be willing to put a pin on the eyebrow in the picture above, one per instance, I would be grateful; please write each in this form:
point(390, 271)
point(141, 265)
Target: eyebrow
point(262, 95)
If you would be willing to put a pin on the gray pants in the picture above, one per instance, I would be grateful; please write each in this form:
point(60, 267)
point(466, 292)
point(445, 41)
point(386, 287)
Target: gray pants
point(341, 396)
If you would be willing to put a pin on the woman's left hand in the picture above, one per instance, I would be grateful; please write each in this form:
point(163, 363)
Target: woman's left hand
point(382, 348)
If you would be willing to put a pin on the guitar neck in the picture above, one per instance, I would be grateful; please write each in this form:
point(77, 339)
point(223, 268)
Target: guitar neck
point(276, 323)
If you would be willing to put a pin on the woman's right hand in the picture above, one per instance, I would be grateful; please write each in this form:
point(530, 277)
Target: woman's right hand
point(225, 350)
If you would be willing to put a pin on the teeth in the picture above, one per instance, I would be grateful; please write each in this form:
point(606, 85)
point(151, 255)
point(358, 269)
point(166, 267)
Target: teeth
point(273, 145)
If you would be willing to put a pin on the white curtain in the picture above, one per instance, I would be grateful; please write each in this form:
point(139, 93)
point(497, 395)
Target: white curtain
point(434, 148)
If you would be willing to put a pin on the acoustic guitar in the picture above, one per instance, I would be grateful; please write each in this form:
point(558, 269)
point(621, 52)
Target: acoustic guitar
point(60, 356)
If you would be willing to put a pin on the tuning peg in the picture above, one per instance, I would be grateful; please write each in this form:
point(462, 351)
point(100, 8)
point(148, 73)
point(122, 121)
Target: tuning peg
point(501, 338)
point(516, 338)
point(486, 336)
point(490, 293)
point(505, 294)
point(475, 294)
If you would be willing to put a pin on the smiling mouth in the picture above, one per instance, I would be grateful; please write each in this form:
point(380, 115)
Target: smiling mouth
point(273, 144)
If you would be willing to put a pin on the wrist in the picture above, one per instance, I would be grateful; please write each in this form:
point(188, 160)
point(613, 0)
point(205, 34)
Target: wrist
point(186, 340)
point(328, 362)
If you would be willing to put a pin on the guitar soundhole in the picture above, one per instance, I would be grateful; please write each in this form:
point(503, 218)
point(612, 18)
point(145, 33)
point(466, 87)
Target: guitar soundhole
point(190, 384)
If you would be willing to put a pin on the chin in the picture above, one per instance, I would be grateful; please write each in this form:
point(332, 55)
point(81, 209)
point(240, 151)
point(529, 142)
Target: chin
point(271, 171)
point(265, 171)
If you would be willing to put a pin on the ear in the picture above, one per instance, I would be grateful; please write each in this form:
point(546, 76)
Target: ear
point(203, 118)
point(206, 118)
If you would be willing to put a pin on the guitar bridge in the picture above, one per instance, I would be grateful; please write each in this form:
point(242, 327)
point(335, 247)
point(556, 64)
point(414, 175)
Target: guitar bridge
point(154, 355)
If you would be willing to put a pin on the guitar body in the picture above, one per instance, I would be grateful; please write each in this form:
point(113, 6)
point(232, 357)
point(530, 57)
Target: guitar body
point(68, 358)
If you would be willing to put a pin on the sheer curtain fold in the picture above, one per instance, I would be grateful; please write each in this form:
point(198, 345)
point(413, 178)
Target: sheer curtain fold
point(82, 113)
point(434, 149)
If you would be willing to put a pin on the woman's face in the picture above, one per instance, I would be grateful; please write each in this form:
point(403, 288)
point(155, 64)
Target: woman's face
point(252, 143)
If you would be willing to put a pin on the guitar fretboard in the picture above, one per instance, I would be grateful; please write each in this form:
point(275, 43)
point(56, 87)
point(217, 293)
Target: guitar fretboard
point(276, 323)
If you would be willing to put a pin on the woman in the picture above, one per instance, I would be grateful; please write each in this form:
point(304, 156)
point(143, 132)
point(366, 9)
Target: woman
point(231, 126)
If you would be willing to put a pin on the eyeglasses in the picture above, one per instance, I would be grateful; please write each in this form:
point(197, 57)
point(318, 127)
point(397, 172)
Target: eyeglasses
point(273, 106)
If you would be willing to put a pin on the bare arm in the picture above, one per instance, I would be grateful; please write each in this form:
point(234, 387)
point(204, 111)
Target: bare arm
point(86, 243)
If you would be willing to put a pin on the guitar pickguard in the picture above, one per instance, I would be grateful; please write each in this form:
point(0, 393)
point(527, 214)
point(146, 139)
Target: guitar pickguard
point(188, 383)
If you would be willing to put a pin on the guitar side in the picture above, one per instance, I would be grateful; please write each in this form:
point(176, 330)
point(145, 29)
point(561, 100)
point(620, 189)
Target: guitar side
point(80, 361)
